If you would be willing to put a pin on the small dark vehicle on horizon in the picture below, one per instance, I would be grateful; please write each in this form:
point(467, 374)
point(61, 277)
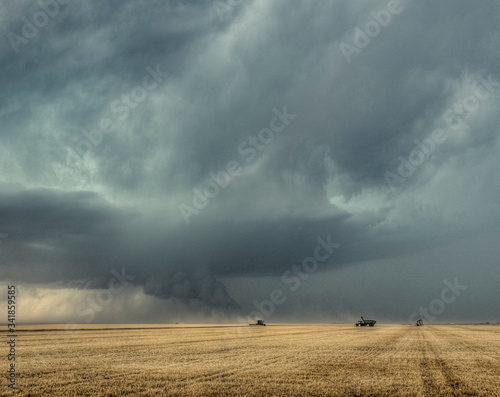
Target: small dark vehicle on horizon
point(259, 322)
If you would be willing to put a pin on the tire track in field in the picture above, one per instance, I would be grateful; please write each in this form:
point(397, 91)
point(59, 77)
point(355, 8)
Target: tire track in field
point(471, 346)
point(377, 350)
point(293, 337)
point(371, 362)
point(239, 372)
point(476, 358)
point(384, 365)
point(244, 366)
point(432, 363)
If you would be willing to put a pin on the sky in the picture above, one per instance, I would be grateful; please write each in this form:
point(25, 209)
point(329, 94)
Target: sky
point(218, 161)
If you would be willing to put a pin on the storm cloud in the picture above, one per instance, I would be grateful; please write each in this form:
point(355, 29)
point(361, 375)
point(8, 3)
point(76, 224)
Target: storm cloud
point(205, 146)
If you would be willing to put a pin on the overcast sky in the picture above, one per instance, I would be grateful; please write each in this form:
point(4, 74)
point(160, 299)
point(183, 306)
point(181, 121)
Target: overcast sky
point(206, 161)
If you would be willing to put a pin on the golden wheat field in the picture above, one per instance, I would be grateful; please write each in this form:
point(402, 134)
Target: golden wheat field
point(281, 360)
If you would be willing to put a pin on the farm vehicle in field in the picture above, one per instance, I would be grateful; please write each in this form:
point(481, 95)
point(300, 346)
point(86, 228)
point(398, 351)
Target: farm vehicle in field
point(259, 322)
point(364, 323)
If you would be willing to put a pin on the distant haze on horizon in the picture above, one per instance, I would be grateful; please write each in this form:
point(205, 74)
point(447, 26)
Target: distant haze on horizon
point(217, 161)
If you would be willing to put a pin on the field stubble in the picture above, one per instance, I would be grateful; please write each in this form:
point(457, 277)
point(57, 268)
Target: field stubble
point(322, 360)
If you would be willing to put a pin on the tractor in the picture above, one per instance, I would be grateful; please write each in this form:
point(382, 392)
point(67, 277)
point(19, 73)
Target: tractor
point(364, 323)
point(259, 322)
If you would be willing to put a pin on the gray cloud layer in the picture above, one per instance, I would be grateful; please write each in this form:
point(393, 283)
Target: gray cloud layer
point(76, 208)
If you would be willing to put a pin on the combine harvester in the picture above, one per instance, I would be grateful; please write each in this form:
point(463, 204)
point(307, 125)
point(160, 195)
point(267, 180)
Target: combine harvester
point(259, 322)
point(364, 323)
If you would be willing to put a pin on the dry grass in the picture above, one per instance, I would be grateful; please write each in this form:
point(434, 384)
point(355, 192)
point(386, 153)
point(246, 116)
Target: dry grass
point(274, 360)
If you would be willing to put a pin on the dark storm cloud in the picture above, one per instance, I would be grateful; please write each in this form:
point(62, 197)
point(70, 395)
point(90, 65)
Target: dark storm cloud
point(323, 175)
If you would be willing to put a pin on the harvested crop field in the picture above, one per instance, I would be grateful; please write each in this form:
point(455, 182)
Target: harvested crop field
point(273, 360)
